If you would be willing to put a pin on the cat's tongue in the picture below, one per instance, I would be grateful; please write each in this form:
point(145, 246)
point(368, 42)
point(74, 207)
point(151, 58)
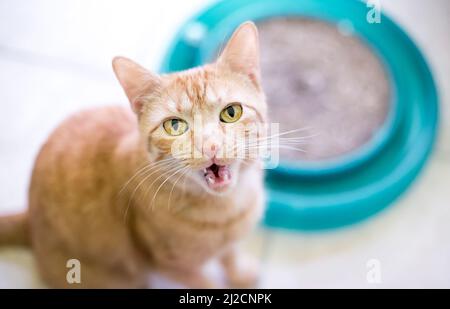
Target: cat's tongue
point(217, 176)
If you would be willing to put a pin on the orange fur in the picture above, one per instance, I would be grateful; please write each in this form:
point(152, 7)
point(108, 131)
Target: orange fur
point(103, 188)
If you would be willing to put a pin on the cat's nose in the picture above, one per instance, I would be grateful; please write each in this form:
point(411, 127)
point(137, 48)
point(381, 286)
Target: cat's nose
point(210, 149)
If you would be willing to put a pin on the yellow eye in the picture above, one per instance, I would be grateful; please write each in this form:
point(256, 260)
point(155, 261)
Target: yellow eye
point(175, 126)
point(231, 113)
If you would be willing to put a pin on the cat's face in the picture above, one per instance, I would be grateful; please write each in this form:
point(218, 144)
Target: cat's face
point(201, 117)
point(198, 121)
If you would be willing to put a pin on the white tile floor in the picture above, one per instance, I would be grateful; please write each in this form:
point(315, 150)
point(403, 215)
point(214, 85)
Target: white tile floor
point(55, 59)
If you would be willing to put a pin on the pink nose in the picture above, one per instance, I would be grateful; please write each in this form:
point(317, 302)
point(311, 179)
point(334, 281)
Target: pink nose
point(210, 149)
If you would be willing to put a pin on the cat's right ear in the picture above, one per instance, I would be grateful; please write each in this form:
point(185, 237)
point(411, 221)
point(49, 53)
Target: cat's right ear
point(136, 81)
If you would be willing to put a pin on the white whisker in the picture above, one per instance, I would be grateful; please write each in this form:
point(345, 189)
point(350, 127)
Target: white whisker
point(160, 186)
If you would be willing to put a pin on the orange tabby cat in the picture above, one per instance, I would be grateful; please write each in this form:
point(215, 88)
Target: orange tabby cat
point(174, 213)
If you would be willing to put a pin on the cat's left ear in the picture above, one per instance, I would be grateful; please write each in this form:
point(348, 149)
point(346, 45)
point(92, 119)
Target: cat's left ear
point(136, 81)
point(241, 54)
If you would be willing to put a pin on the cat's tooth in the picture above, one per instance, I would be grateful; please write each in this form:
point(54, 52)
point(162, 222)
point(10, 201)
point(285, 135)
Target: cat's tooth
point(210, 179)
point(226, 177)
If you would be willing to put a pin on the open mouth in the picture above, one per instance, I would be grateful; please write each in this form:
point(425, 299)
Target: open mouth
point(217, 176)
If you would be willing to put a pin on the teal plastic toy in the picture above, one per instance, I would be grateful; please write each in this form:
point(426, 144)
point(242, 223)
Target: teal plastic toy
point(348, 189)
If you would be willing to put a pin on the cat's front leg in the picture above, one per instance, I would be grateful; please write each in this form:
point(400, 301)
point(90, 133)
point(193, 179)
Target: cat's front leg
point(241, 270)
point(193, 278)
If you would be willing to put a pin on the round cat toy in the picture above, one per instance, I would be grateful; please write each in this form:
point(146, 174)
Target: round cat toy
point(353, 79)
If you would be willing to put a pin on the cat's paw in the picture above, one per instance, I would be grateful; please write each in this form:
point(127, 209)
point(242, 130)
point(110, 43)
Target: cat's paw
point(245, 274)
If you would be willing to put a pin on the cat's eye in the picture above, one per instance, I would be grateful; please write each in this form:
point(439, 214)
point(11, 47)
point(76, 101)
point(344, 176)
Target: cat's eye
point(231, 113)
point(175, 126)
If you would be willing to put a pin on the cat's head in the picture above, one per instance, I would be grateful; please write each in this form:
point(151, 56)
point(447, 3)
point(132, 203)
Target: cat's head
point(195, 121)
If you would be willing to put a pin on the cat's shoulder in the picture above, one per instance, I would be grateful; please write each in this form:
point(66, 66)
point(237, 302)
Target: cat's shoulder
point(90, 132)
point(112, 120)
